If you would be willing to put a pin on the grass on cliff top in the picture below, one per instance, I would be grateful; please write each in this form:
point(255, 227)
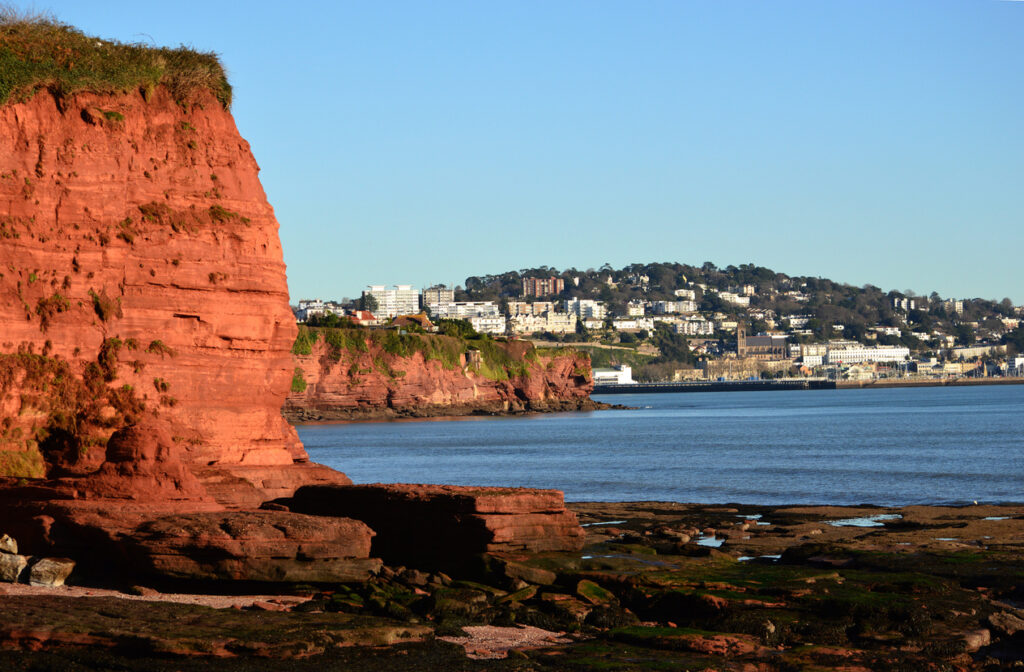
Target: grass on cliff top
point(496, 360)
point(38, 52)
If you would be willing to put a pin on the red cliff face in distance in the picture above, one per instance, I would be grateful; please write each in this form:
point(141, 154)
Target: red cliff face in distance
point(365, 377)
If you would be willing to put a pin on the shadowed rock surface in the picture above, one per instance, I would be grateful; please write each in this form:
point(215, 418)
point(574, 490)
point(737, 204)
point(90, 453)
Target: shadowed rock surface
point(445, 526)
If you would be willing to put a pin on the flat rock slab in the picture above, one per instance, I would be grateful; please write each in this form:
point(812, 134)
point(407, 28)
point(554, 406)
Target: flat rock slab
point(443, 526)
point(39, 622)
point(271, 546)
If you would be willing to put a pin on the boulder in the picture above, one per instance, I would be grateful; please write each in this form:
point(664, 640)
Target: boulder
point(444, 526)
point(50, 572)
point(11, 566)
point(266, 546)
point(1007, 623)
point(8, 544)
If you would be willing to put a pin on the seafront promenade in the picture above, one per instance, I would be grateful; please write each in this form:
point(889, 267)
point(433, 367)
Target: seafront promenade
point(797, 384)
point(718, 386)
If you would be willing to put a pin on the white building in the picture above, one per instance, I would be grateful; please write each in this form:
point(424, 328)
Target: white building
point(797, 321)
point(904, 304)
point(437, 296)
point(734, 298)
point(586, 308)
point(618, 375)
point(463, 310)
point(857, 354)
point(632, 324)
point(635, 309)
point(493, 324)
point(694, 327)
point(672, 307)
point(400, 300)
point(686, 294)
point(556, 323)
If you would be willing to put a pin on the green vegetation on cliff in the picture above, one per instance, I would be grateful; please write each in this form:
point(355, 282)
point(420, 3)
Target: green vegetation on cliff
point(38, 52)
point(493, 358)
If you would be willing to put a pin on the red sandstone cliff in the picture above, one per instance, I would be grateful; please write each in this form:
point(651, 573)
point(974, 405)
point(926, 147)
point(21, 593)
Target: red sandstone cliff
point(140, 274)
point(354, 383)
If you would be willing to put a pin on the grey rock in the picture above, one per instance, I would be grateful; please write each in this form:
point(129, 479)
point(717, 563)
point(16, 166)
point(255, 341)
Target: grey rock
point(50, 572)
point(11, 566)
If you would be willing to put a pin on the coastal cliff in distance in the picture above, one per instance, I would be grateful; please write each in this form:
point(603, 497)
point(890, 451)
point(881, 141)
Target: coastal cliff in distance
point(141, 275)
point(362, 374)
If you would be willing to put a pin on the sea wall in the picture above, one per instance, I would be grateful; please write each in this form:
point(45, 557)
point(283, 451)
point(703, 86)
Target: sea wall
point(353, 374)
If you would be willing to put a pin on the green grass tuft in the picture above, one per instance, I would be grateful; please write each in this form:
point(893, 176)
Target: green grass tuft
point(39, 52)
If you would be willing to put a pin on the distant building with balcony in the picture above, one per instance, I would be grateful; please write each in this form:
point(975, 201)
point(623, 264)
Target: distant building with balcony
point(436, 296)
point(586, 309)
point(399, 300)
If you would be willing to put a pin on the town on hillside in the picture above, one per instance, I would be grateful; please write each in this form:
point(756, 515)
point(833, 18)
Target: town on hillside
point(673, 322)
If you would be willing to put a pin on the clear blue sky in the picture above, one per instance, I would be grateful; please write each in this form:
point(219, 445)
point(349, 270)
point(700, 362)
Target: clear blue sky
point(419, 142)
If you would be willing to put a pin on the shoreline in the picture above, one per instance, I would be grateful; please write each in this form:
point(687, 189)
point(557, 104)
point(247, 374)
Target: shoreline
point(656, 585)
point(901, 382)
point(302, 416)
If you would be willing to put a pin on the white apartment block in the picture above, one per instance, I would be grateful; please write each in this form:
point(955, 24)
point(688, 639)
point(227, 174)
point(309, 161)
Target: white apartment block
point(436, 296)
point(556, 323)
point(586, 308)
point(887, 331)
point(399, 300)
point(904, 304)
point(488, 324)
point(671, 307)
point(797, 321)
point(734, 298)
point(694, 328)
point(686, 294)
point(857, 354)
point(463, 310)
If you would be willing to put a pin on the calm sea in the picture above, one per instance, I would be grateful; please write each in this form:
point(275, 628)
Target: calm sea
point(886, 447)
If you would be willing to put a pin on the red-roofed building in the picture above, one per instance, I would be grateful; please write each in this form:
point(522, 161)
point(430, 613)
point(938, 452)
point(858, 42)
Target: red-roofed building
point(363, 318)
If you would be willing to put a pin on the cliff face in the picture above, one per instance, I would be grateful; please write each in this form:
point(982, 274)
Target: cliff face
point(140, 275)
point(361, 376)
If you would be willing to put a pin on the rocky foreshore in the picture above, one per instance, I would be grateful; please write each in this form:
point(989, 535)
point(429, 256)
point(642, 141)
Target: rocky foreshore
point(652, 586)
